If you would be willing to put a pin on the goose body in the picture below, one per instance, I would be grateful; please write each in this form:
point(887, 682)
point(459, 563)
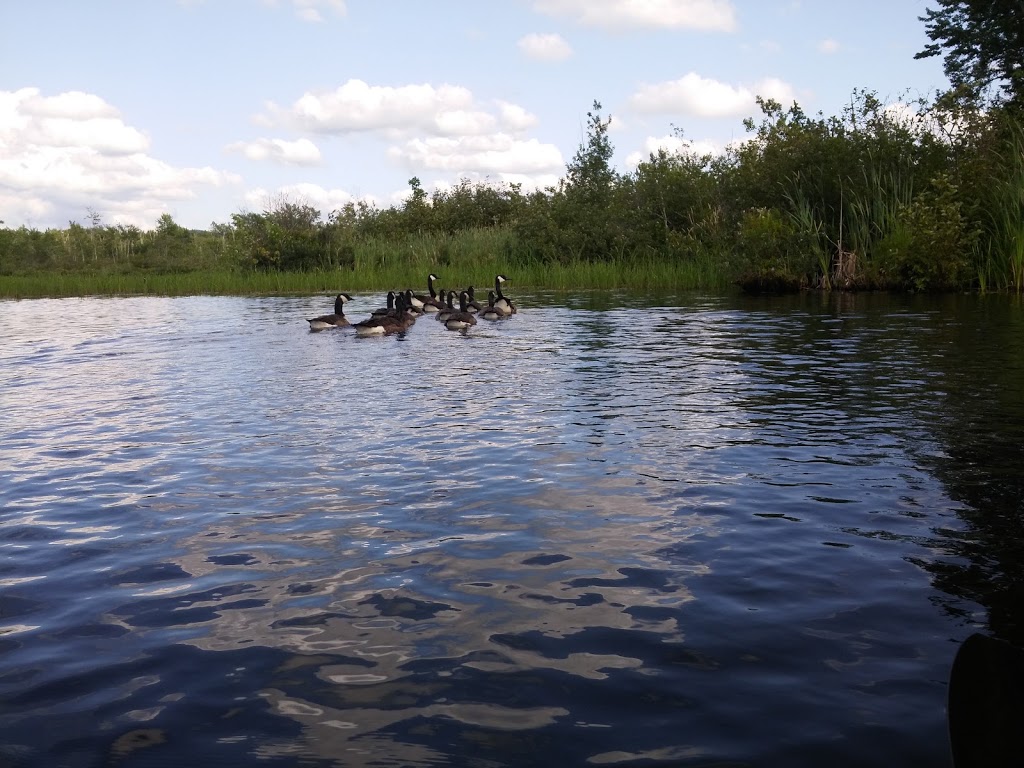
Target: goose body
point(462, 319)
point(449, 308)
point(501, 302)
point(389, 309)
point(431, 305)
point(385, 324)
point(410, 307)
point(473, 305)
point(422, 301)
point(335, 320)
point(490, 312)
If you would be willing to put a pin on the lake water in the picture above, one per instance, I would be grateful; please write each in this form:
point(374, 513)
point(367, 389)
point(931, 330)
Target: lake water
point(611, 530)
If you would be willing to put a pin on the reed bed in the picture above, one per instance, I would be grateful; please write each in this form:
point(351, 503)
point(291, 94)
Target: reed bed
point(644, 275)
point(471, 257)
point(1007, 214)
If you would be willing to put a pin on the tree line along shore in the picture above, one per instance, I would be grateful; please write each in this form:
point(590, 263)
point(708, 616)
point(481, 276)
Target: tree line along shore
point(913, 196)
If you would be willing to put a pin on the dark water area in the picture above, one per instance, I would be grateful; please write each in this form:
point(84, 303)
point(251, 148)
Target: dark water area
point(610, 530)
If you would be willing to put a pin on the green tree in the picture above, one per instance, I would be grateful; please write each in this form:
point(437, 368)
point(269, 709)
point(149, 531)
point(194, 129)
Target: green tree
point(417, 208)
point(288, 236)
point(590, 173)
point(168, 249)
point(982, 44)
point(585, 211)
point(674, 202)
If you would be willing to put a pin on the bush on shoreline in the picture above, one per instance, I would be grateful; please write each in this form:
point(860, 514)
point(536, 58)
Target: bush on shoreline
point(911, 197)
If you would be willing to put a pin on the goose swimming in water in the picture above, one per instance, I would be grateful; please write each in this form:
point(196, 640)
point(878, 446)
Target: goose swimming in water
point(502, 302)
point(457, 321)
point(473, 305)
point(427, 302)
point(335, 320)
point(384, 324)
point(449, 308)
point(389, 309)
point(490, 312)
point(411, 308)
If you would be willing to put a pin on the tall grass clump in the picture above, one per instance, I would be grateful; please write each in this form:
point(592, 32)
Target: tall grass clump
point(876, 235)
point(810, 226)
point(1006, 211)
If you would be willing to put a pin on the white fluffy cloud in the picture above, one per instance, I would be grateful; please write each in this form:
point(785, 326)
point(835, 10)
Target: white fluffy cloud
point(70, 120)
point(399, 111)
point(300, 152)
point(514, 118)
point(359, 106)
point(544, 47)
point(499, 155)
point(63, 154)
point(706, 15)
point(703, 97)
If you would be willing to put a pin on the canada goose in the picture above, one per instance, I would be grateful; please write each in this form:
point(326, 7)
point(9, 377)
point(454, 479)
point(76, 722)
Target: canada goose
point(421, 300)
point(430, 305)
point(449, 308)
point(490, 312)
point(405, 313)
point(501, 302)
point(334, 320)
point(389, 309)
point(461, 319)
point(473, 306)
point(409, 306)
point(383, 325)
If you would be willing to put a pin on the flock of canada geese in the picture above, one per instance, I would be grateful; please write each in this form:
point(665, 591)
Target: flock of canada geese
point(403, 307)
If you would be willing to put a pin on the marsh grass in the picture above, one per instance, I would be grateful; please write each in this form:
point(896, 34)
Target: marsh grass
point(176, 284)
point(472, 257)
point(875, 221)
point(810, 226)
point(383, 271)
point(1007, 215)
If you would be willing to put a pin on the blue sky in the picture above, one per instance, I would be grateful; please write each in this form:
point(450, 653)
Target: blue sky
point(204, 108)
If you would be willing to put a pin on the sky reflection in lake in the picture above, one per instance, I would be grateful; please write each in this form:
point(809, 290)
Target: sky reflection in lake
point(676, 530)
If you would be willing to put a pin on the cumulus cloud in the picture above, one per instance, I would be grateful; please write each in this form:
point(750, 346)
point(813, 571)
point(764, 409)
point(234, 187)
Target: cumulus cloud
point(514, 118)
point(359, 106)
point(398, 111)
point(544, 47)
point(62, 154)
point(704, 15)
point(72, 119)
point(703, 97)
point(499, 154)
point(300, 152)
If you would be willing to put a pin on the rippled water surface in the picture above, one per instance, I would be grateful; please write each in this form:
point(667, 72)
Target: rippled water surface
point(610, 530)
